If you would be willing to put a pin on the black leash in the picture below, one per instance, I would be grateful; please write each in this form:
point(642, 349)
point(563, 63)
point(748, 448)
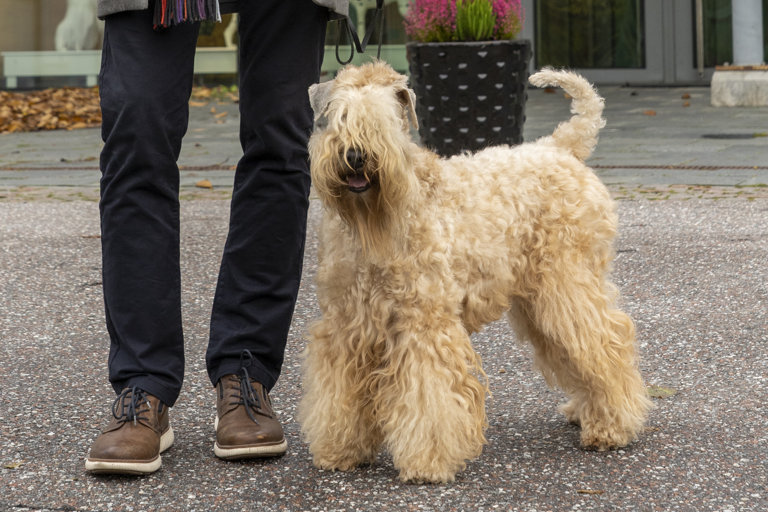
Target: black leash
point(355, 44)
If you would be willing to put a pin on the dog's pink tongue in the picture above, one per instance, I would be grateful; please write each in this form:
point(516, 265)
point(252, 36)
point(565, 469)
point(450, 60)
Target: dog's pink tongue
point(357, 181)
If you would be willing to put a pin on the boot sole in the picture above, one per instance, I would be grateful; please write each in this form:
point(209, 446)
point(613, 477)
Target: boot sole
point(130, 467)
point(250, 452)
point(255, 451)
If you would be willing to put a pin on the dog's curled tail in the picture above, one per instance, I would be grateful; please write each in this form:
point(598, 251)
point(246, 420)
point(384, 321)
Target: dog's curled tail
point(578, 134)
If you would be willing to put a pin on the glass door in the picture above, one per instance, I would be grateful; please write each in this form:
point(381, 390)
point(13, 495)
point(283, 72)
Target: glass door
point(591, 34)
point(718, 34)
point(609, 41)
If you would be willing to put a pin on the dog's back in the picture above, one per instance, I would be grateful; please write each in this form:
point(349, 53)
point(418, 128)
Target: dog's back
point(579, 134)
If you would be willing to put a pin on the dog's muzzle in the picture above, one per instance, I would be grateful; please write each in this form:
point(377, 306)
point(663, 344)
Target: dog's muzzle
point(357, 181)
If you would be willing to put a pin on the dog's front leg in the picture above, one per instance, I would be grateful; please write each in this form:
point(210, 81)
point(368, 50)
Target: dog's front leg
point(433, 406)
point(335, 411)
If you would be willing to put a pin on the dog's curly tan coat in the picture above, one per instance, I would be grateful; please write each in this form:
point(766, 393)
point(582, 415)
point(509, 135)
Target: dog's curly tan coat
point(437, 248)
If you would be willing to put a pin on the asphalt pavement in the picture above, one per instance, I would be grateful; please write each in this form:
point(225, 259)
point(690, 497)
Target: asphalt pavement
point(692, 186)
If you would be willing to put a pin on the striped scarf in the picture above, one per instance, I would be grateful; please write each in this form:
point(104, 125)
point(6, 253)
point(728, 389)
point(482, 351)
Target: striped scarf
point(173, 12)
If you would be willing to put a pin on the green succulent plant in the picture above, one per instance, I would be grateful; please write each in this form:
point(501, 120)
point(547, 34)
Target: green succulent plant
point(475, 20)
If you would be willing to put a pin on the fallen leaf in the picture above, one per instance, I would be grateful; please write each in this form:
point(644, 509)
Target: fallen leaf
point(686, 96)
point(201, 92)
point(49, 109)
point(219, 93)
point(194, 103)
point(589, 491)
point(686, 103)
point(204, 184)
point(650, 112)
point(220, 115)
point(661, 392)
point(13, 465)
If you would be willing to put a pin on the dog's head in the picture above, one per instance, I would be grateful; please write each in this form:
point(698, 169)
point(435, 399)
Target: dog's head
point(363, 120)
point(361, 150)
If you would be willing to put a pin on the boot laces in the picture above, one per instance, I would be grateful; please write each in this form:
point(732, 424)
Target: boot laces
point(245, 394)
point(130, 405)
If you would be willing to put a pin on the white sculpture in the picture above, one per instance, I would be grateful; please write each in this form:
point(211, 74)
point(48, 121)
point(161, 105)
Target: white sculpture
point(80, 29)
point(230, 31)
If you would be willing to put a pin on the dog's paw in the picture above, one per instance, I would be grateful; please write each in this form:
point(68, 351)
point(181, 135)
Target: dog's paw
point(416, 476)
point(335, 465)
point(604, 440)
point(571, 412)
point(339, 464)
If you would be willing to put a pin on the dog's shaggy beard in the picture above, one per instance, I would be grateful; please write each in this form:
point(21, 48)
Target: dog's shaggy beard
point(376, 216)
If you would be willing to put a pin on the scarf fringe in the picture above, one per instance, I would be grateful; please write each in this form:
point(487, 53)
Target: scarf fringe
point(173, 12)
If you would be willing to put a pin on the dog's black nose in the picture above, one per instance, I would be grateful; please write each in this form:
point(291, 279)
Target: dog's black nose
point(355, 160)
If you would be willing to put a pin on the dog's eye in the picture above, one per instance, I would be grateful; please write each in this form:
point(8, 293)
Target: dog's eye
point(321, 123)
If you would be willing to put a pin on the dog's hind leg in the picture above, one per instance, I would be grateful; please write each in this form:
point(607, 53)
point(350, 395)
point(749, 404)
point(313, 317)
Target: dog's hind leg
point(585, 346)
point(432, 405)
point(336, 411)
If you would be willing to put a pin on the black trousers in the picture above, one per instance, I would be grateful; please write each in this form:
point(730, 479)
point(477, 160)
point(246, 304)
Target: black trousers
point(145, 84)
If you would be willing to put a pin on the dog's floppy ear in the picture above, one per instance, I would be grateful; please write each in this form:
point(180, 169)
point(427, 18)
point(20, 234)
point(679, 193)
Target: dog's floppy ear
point(318, 97)
point(408, 99)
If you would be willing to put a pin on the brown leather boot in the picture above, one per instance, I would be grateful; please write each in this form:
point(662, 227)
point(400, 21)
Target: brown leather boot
point(133, 441)
point(246, 426)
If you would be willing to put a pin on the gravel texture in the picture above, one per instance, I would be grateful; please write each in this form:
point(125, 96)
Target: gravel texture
point(691, 266)
point(692, 274)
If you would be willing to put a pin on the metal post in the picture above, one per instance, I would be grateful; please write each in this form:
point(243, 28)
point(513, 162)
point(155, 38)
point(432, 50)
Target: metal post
point(700, 37)
point(747, 32)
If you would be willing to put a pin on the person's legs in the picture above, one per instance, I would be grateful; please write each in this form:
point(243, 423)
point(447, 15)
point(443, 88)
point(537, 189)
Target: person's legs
point(145, 84)
point(281, 49)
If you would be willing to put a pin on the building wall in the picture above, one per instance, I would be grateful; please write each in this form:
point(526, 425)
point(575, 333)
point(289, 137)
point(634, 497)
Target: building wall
point(29, 25)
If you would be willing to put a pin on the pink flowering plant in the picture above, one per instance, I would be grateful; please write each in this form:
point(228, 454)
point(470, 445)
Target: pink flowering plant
point(463, 20)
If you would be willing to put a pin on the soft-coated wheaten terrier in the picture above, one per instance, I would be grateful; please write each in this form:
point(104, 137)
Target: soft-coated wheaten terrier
point(418, 252)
